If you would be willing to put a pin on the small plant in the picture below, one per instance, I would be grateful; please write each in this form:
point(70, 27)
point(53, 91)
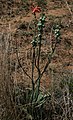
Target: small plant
point(36, 97)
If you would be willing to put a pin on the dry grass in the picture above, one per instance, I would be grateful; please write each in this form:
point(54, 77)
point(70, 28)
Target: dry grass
point(15, 86)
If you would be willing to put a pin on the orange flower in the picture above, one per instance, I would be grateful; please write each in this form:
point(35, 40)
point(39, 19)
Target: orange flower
point(36, 9)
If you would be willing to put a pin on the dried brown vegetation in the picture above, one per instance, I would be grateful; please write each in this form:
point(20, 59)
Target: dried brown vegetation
point(16, 33)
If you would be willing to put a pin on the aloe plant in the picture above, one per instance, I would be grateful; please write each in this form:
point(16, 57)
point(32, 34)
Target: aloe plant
point(36, 98)
point(36, 44)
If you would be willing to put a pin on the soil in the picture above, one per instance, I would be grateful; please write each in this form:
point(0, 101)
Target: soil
point(16, 19)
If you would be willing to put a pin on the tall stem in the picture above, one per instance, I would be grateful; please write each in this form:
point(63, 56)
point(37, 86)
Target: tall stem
point(33, 61)
point(39, 51)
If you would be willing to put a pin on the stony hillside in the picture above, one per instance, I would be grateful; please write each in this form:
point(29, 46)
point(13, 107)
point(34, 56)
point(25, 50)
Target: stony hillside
point(16, 19)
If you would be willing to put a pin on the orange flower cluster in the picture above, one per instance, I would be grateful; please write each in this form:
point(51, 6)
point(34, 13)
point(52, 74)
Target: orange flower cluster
point(36, 9)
